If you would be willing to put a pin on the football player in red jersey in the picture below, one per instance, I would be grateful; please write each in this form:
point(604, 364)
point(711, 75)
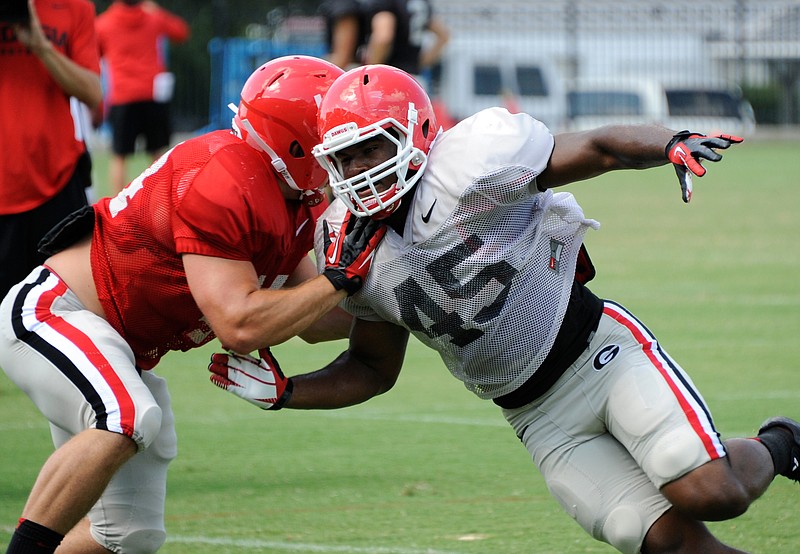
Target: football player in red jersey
point(212, 240)
point(484, 263)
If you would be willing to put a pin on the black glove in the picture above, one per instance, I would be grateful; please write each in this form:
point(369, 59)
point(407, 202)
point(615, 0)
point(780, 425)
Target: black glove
point(348, 254)
point(685, 151)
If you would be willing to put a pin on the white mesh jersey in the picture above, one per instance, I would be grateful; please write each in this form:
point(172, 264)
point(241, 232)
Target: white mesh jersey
point(484, 268)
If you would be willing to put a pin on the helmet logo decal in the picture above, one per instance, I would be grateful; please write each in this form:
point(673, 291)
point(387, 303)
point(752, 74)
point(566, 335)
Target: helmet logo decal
point(341, 134)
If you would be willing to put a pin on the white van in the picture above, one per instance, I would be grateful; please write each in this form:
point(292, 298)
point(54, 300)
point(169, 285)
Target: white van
point(706, 107)
point(478, 74)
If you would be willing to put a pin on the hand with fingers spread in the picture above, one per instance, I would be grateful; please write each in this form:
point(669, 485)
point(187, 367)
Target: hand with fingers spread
point(348, 253)
point(260, 380)
point(685, 151)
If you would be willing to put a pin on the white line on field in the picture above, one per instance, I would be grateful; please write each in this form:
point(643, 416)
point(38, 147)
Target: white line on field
point(301, 547)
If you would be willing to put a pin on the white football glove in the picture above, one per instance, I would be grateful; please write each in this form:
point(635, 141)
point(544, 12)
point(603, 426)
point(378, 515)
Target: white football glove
point(260, 381)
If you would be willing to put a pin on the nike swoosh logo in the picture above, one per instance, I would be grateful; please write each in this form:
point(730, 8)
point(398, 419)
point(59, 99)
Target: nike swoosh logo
point(303, 224)
point(367, 260)
point(333, 257)
point(427, 217)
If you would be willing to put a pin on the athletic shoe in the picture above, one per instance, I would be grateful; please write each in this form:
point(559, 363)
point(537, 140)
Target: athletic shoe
point(793, 427)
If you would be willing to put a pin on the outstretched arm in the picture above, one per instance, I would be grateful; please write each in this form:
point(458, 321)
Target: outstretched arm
point(580, 156)
point(583, 155)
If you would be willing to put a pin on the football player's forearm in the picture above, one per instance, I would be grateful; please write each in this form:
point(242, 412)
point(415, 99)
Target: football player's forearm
point(334, 325)
point(344, 382)
point(369, 367)
point(633, 146)
point(275, 316)
point(583, 155)
point(311, 302)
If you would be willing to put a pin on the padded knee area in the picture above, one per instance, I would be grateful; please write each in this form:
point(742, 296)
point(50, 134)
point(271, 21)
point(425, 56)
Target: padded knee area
point(148, 426)
point(624, 529)
point(677, 450)
point(143, 541)
point(164, 447)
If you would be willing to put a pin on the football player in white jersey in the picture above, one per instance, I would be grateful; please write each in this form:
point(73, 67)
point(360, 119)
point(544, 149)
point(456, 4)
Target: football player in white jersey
point(483, 262)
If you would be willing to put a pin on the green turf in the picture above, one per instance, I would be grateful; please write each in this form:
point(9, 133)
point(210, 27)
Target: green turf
point(428, 468)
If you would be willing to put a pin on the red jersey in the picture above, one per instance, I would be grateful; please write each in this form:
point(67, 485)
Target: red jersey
point(212, 195)
point(38, 144)
point(131, 40)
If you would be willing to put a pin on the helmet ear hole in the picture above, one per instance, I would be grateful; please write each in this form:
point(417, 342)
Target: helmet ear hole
point(296, 151)
point(425, 127)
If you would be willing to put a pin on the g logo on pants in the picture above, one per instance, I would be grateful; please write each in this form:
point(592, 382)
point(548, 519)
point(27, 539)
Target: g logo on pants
point(604, 357)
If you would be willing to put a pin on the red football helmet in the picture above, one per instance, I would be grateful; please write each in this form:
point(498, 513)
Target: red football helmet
point(370, 101)
point(277, 115)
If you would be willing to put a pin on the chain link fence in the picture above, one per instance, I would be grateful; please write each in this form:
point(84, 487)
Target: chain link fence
point(738, 57)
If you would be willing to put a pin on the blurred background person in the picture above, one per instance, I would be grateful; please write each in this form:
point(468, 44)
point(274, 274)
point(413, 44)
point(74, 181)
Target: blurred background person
point(398, 35)
point(132, 36)
point(407, 34)
point(45, 168)
point(403, 33)
point(344, 31)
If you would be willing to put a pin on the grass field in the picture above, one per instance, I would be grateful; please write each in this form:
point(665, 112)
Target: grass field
point(430, 469)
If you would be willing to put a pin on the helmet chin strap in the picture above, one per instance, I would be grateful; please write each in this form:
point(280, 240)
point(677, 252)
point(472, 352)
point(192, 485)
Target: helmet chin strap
point(277, 161)
point(386, 212)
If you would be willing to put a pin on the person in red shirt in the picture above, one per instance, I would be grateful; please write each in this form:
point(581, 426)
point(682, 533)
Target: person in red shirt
point(131, 35)
point(47, 62)
point(212, 240)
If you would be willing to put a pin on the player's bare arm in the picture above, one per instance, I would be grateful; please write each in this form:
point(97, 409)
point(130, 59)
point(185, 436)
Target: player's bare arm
point(580, 156)
point(333, 325)
point(368, 367)
point(246, 317)
point(583, 155)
